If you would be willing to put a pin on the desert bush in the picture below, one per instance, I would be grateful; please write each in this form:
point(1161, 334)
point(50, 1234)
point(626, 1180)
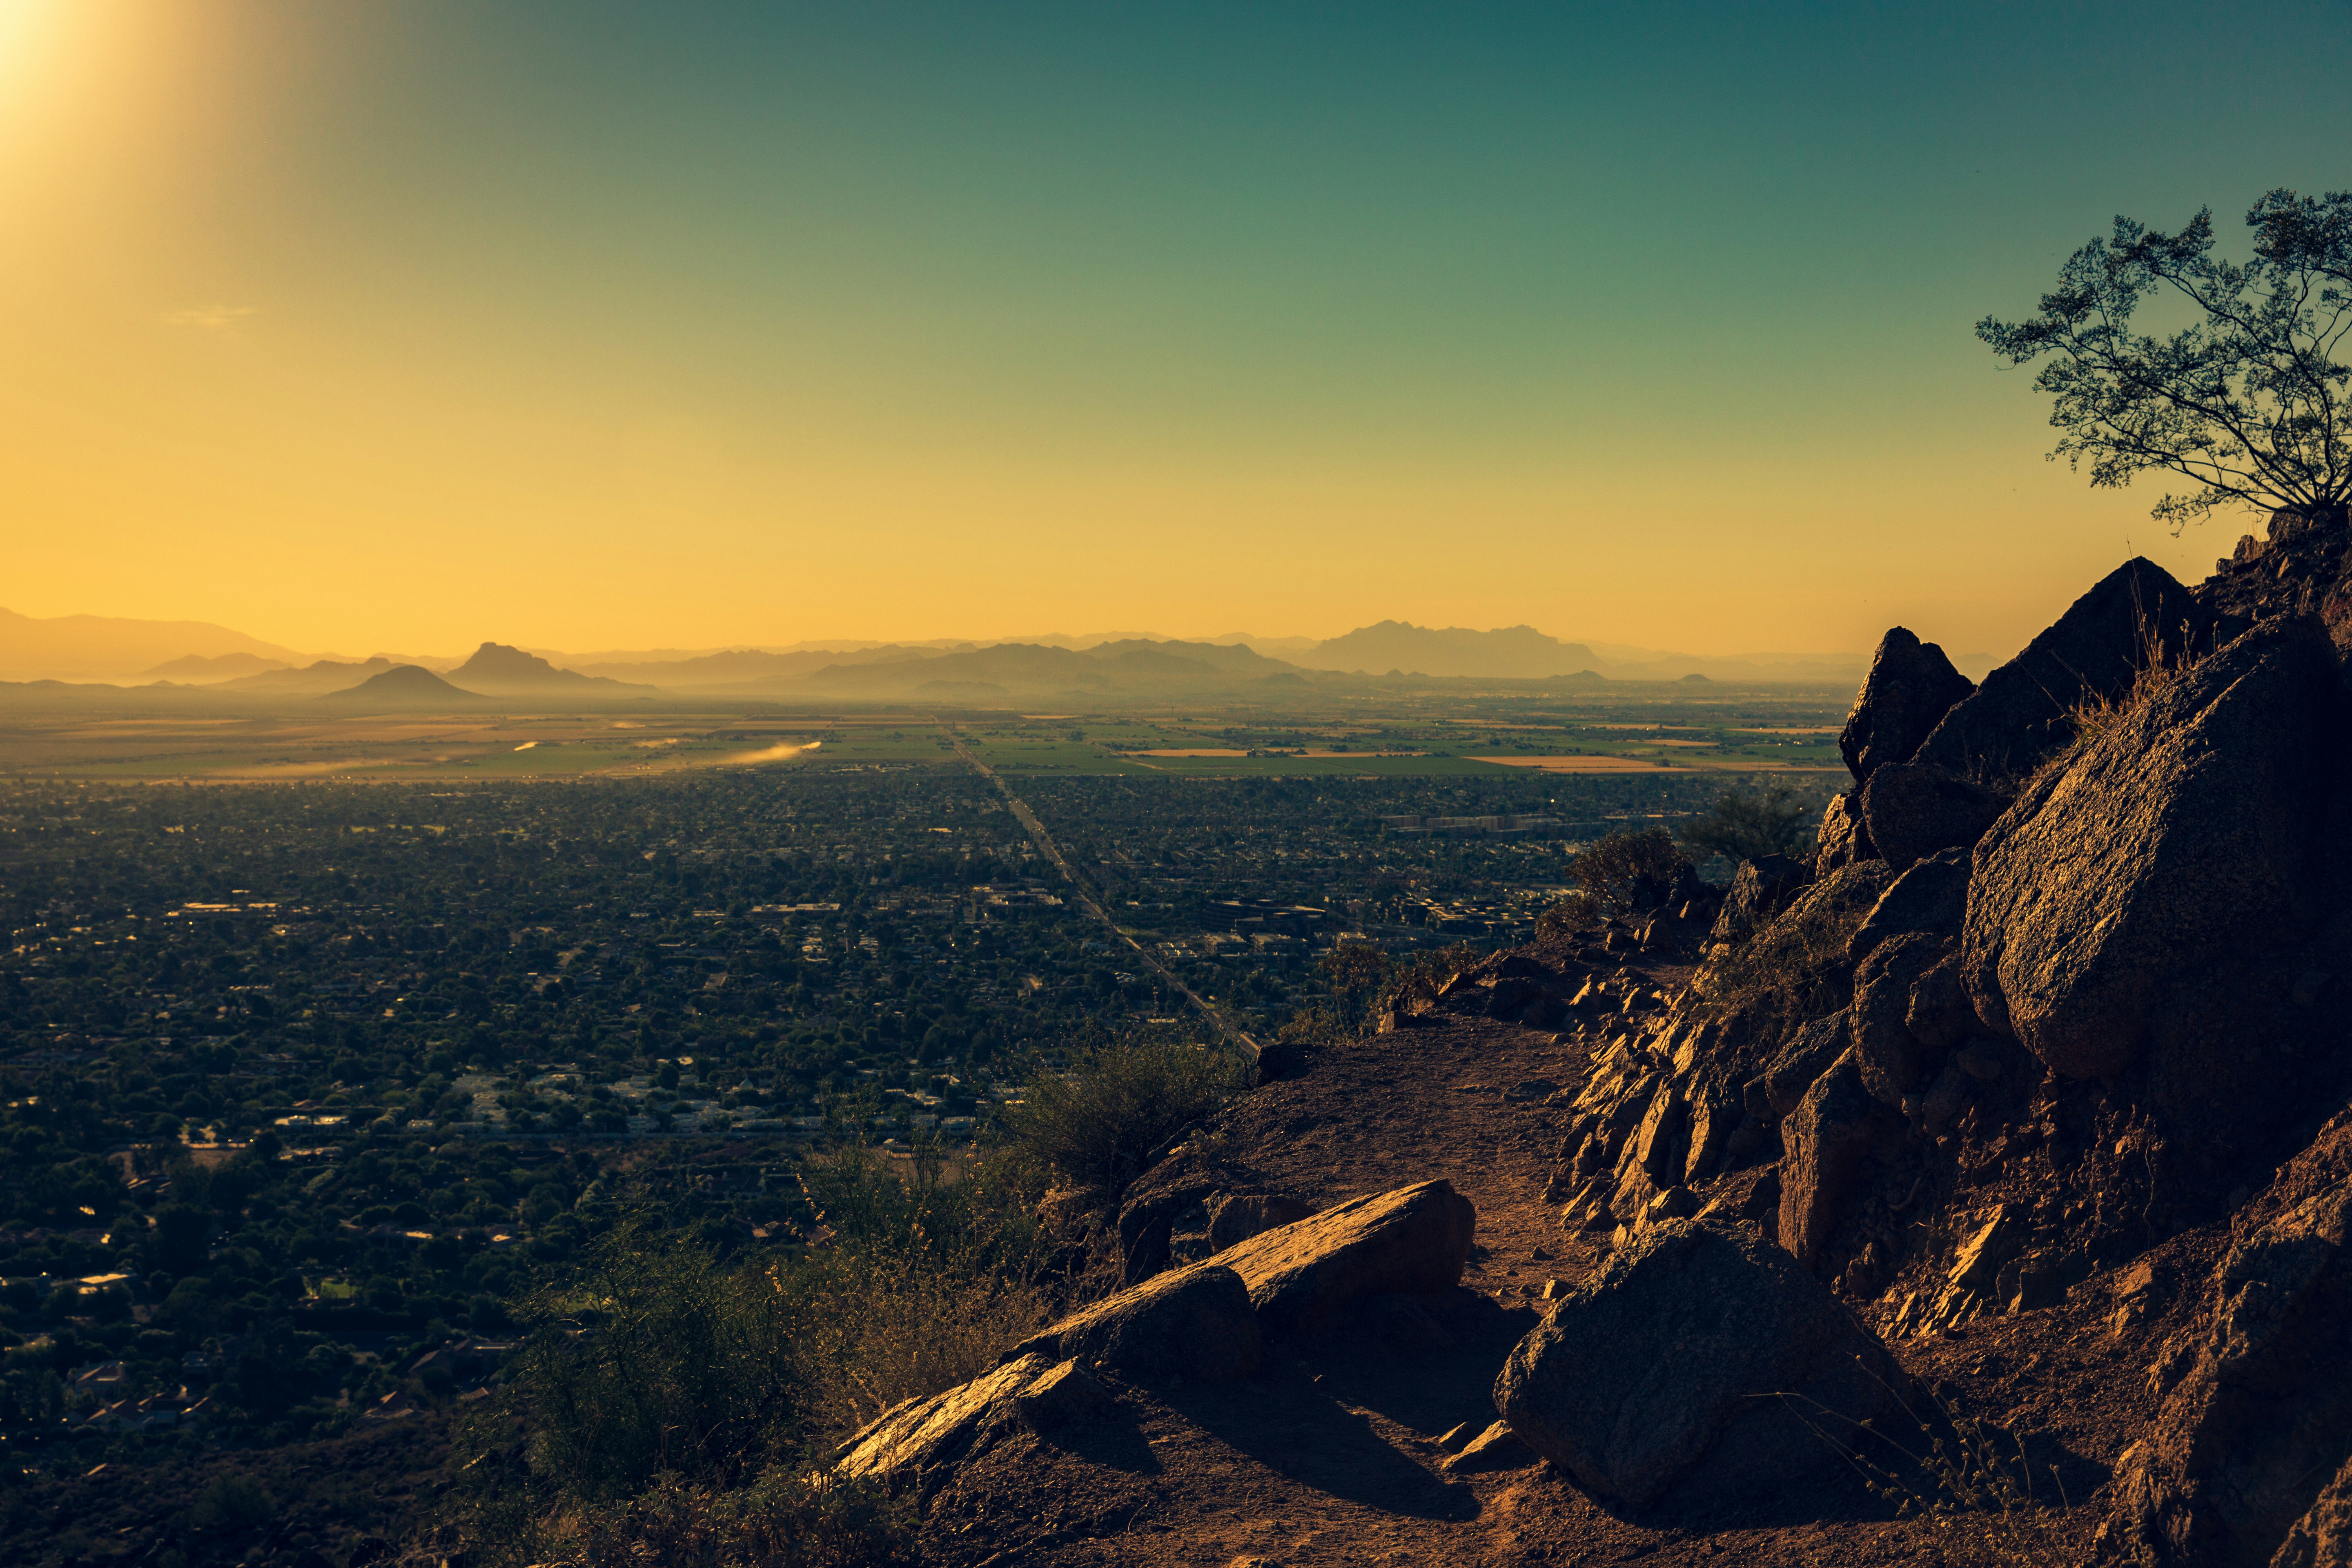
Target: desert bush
point(1096, 1125)
point(230, 1503)
point(1748, 824)
point(1608, 870)
point(1419, 979)
point(786, 1518)
point(1577, 911)
point(1794, 968)
point(656, 1359)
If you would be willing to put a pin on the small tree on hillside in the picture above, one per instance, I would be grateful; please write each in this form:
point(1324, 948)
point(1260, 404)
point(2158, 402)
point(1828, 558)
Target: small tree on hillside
point(1610, 871)
point(2248, 403)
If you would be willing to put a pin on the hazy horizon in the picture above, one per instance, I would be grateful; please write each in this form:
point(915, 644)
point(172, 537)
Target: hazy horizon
point(603, 327)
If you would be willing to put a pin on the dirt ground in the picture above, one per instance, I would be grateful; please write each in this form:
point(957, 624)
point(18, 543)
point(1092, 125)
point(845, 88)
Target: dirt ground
point(1331, 1453)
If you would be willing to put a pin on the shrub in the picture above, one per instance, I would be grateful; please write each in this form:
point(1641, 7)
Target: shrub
point(1608, 870)
point(230, 1503)
point(1747, 824)
point(1097, 1125)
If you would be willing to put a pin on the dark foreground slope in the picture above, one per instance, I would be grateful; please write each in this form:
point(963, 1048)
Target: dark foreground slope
point(2019, 1116)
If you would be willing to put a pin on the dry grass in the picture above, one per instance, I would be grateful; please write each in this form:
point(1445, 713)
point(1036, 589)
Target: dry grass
point(2162, 665)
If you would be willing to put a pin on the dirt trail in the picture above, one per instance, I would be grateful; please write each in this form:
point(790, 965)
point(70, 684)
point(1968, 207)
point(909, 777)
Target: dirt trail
point(1330, 1454)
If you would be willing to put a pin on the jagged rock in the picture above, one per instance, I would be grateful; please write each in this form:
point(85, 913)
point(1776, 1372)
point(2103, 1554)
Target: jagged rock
point(2190, 829)
point(1824, 1141)
point(2240, 1457)
point(1843, 839)
point(1910, 686)
point(1810, 1052)
point(1148, 1209)
point(1932, 896)
point(1412, 1241)
point(1912, 810)
point(1891, 1059)
point(1939, 1013)
point(1662, 1142)
point(2095, 650)
point(1195, 1323)
point(1759, 889)
point(1643, 1382)
point(1236, 1216)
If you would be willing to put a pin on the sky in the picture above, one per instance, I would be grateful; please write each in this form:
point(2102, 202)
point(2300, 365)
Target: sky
point(582, 325)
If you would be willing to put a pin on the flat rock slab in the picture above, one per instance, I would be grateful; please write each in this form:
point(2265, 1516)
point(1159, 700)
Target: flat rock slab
point(1195, 1323)
point(922, 1433)
point(1412, 1241)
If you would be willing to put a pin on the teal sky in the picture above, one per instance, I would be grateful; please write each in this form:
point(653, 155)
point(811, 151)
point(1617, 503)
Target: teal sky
point(597, 325)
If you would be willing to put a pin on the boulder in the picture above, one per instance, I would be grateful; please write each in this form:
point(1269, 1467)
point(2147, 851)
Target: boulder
point(2096, 650)
point(1412, 1241)
point(1194, 1323)
point(1912, 810)
point(1939, 1012)
point(2241, 1458)
point(1931, 897)
point(1824, 1142)
point(1237, 1216)
point(2322, 1538)
point(1891, 1060)
point(1697, 1364)
point(1759, 890)
point(1843, 840)
point(1910, 686)
point(2188, 830)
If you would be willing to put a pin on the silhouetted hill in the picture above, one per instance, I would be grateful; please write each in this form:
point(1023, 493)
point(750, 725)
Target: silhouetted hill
point(311, 680)
point(1512, 652)
point(405, 686)
point(503, 670)
point(196, 668)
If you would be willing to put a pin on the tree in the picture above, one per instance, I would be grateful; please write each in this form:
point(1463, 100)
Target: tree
point(1614, 872)
point(2248, 403)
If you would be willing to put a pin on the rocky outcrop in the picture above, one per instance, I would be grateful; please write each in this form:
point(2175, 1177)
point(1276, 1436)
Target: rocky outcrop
point(1412, 1241)
point(2096, 650)
point(1909, 687)
point(1192, 1323)
point(1697, 1364)
point(2186, 830)
point(1912, 810)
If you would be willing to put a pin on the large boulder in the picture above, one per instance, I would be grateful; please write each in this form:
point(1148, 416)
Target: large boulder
point(1931, 897)
point(1824, 1142)
point(2240, 1466)
point(2096, 650)
point(1912, 810)
point(1697, 1364)
point(1414, 1241)
point(927, 1435)
point(1909, 687)
point(1192, 1323)
point(2187, 830)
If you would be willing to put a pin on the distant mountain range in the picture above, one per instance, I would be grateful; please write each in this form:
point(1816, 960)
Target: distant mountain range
point(99, 648)
point(199, 654)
